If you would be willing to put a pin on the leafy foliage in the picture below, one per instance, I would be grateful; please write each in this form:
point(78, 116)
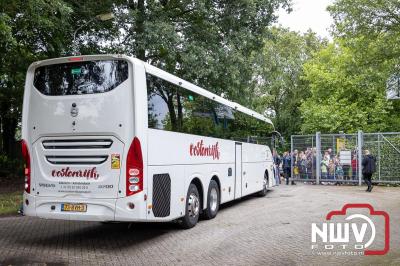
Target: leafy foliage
point(385, 147)
point(229, 47)
point(344, 96)
point(279, 72)
point(208, 42)
point(348, 78)
point(33, 30)
point(10, 166)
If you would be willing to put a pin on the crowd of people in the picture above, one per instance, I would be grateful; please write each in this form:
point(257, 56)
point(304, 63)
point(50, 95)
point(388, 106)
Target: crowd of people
point(303, 165)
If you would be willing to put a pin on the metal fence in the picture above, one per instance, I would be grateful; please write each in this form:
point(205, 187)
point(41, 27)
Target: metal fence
point(337, 158)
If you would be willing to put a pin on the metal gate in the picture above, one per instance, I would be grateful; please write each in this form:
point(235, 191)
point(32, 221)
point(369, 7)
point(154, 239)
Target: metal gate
point(386, 148)
point(337, 158)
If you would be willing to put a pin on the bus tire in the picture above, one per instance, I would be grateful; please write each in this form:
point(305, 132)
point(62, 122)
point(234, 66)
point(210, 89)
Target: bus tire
point(213, 200)
point(192, 209)
point(264, 191)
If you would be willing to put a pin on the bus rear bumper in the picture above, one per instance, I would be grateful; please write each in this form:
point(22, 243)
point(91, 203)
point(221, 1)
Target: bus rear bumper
point(96, 209)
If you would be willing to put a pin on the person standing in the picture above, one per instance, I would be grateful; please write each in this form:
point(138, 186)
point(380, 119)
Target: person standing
point(287, 164)
point(331, 169)
point(330, 153)
point(277, 163)
point(303, 165)
point(369, 167)
point(314, 163)
point(339, 169)
point(325, 167)
point(295, 160)
point(309, 163)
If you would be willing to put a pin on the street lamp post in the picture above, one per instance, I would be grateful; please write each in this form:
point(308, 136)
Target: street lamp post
point(100, 17)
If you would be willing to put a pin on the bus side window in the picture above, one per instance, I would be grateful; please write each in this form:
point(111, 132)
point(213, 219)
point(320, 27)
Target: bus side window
point(176, 109)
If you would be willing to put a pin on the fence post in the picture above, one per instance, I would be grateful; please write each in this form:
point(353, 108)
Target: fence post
point(291, 158)
point(360, 141)
point(379, 156)
point(318, 157)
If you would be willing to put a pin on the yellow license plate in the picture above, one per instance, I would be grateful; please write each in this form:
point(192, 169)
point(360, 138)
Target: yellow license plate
point(66, 207)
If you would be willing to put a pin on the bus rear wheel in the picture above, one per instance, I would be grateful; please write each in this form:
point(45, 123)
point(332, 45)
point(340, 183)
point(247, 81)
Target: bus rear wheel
point(213, 200)
point(192, 210)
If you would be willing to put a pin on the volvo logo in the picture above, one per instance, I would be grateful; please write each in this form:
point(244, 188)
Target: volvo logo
point(74, 110)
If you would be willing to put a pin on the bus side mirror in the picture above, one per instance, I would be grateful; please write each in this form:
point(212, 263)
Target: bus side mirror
point(277, 139)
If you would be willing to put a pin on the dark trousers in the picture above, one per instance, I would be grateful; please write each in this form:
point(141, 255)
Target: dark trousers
point(367, 179)
point(287, 173)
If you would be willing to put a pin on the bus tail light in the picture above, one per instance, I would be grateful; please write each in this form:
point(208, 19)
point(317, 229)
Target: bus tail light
point(134, 168)
point(27, 166)
point(75, 59)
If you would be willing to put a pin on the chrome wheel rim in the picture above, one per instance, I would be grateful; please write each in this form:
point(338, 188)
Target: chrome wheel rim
point(213, 199)
point(193, 205)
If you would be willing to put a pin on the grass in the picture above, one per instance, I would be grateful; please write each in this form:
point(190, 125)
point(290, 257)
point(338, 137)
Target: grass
point(10, 202)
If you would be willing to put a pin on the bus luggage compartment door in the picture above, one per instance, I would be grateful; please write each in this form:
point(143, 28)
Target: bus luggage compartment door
point(238, 170)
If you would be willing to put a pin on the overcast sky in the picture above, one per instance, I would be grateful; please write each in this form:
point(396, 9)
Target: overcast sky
point(308, 14)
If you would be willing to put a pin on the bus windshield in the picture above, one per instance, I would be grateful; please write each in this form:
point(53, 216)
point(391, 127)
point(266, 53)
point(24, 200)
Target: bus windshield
point(76, 78)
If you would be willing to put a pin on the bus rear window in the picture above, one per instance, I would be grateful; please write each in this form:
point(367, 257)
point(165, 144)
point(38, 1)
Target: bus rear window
point(77, 78)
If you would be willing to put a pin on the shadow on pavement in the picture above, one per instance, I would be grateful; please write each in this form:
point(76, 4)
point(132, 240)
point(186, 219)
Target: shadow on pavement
point(66, 235)
point(98, 236)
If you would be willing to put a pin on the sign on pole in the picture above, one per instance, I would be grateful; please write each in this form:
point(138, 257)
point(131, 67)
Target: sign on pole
point(393, 87)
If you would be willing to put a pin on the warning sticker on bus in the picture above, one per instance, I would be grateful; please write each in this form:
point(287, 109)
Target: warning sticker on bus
point(115, 161)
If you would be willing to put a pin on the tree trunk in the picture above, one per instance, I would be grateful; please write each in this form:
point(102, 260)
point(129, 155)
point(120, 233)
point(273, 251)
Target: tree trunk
point(141, 52)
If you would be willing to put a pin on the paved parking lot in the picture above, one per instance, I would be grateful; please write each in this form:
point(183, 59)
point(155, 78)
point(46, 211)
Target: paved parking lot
point(274, 230)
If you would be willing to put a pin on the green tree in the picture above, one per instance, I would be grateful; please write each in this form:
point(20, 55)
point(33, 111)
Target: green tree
point(207, 42)
point(33, 30)
point(344, 95)
point(372, 30)
point(372, 19)
point(278, 72)
point(28, 29)
point(348, 79)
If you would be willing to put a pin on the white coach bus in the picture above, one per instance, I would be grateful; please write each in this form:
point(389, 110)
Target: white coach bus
point(111, 138)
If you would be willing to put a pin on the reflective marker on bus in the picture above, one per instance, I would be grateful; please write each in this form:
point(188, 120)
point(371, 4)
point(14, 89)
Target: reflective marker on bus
point(111, 138)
